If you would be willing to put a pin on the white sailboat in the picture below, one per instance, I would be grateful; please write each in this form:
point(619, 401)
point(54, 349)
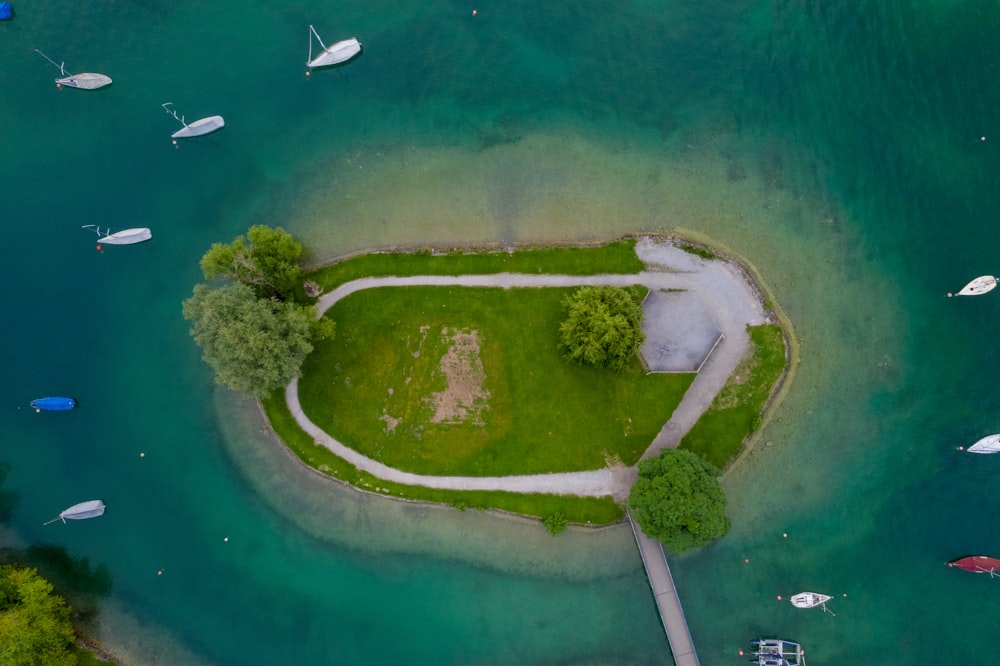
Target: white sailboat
point(91, 509)
point(84, 81)
point(199, 127)
point(335, 54)
point(811, 600)
point(124, 237)
point(988, 444)
point(978, 287)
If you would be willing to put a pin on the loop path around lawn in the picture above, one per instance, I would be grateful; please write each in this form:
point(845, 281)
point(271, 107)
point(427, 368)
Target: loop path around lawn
point(723, 289)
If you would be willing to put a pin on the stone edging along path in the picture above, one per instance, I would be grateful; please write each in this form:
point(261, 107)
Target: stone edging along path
point(723, 289)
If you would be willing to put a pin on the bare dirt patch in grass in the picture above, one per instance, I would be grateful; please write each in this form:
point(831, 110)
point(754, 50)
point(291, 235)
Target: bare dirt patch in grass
point(465, 396)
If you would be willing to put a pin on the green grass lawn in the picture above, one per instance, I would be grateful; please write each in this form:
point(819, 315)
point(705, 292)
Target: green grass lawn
point(373, 386)
point(736, 411)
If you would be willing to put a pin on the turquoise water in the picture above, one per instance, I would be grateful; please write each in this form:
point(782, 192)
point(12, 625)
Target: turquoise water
point(838, 146)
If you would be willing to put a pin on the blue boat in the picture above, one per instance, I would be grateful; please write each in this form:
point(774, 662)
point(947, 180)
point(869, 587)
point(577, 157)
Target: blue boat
point(54, 404)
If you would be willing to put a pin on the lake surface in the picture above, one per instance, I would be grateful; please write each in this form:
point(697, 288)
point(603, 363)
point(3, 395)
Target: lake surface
point(846, 149)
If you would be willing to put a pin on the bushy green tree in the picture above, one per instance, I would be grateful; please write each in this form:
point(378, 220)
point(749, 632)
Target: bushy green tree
point(266, 259)
point(678, 501)
point(603, 326)
point(255, 345)
point(35, 625)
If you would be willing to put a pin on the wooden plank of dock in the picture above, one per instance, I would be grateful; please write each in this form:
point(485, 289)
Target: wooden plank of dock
point(667, 601)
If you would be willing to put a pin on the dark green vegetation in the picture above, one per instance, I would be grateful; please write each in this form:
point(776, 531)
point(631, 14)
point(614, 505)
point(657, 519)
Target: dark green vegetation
point(603, 326)
point(617, 257)
point(35, 625)
point(268, 260)
point(581, 510)
point(678, 501)
point(470, 381)
point(251, 332)
point(736, 411)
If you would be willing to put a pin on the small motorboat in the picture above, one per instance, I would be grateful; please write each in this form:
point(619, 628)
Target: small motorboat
point(53, 404)
point(200, 127)
point(811, 600)
point(83, 81)
point(123, 237)
point(978, 287)
point(81, 511)
point(334, 54)
point(978, 564)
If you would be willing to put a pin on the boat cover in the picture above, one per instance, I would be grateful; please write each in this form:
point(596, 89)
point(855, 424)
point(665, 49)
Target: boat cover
point(5, 11)
point(54, 404)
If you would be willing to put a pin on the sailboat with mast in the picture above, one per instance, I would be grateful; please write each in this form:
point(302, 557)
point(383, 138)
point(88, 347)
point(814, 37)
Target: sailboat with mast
point(334, 54)
point(123, 237)
point(81, 511)
point(84, 81)
point(199, 127)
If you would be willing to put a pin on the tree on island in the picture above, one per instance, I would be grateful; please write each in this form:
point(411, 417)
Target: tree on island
point(266, 259)
point(35, 625)
point(603, 326)
point(678, 501)
point(255, 345)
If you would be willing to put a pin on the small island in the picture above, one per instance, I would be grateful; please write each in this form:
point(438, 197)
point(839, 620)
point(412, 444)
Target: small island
point(453, 375)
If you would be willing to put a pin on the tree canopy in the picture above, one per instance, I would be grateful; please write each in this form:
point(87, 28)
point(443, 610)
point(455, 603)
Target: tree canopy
point(35, 625)
point(603, 326)
point(266, 259)
point(255, 345)
point(678, 501)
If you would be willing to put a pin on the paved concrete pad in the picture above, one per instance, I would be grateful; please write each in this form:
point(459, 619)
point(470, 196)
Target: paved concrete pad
point(680, 331)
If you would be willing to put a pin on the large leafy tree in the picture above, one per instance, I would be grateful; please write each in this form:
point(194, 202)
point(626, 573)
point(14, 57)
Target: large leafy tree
point(35, 625)
point(603, 326)
point(255, 345)
point(678, 501)
point(266, 259)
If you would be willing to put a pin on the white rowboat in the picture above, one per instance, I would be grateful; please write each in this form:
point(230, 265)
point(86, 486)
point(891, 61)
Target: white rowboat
point(335, 54)
point(988, 444)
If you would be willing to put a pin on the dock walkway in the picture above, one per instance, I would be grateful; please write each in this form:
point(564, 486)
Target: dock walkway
point(667, 601)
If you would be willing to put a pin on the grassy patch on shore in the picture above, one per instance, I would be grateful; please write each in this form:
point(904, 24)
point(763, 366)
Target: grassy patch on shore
point(579, 510)
point(617, 257)
point(736, 411)
point(511, 405)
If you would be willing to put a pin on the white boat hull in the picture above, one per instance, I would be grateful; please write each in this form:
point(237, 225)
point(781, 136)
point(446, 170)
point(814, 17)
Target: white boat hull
point(809, 599)
point(200, 127)
point(979, 286)
point(85, 81)
point(127, 237)
point(989, 444)
point(337, 53)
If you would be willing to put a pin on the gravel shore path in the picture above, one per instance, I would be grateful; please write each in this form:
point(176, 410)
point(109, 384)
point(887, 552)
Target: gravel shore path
point(724, 290)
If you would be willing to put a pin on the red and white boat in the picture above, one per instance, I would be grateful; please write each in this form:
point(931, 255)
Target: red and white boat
point(978, 564)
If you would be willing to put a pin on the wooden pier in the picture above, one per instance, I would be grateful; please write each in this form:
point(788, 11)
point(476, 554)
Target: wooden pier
point(667, 601)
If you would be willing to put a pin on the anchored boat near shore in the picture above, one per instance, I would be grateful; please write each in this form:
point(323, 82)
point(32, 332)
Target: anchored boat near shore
point(53, 404)
point(199, 127)
point(777, 652)
point(811, 600)
point(978, 287)
point(123, 237)
point(81, 511)
point(334, 54)
point(84, 81)
point(978, 564)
